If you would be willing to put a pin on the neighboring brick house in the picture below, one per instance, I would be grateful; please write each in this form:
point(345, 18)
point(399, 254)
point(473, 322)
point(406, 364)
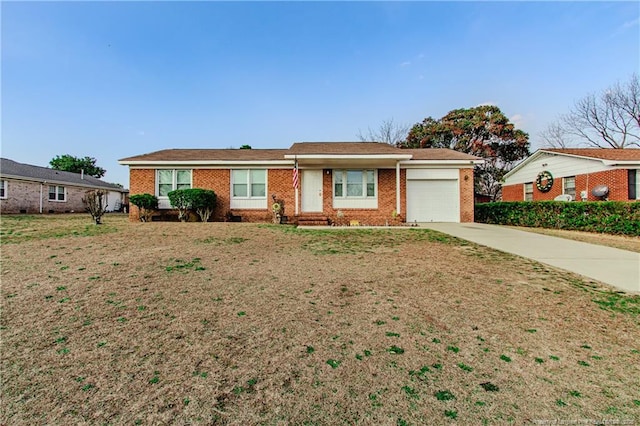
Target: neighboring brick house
point(339, 182)
point(575, 172)
point(33, 189)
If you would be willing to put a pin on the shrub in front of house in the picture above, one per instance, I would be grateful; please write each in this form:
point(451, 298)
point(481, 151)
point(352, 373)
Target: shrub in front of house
point(180, 199)
point(611, 217)
point(203, 201)
point(146, 204)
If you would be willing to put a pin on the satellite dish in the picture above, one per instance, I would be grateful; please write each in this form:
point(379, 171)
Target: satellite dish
point(564, 197)
point(600, 191)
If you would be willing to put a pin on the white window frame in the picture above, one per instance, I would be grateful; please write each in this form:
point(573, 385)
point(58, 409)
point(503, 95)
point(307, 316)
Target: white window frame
point(564, 185)
point(528, 193)
point(3, 186)
point(344, 172)
point(249, 201)
point(249, 184)
point(363, 201)
point(163, 201)
point(57, 193)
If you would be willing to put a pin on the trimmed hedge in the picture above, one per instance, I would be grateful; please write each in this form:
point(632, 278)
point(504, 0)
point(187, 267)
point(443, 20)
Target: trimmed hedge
point(611, 217)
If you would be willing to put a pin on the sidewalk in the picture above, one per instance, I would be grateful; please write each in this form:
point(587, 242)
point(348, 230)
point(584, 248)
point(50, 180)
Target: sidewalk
point(619, 268)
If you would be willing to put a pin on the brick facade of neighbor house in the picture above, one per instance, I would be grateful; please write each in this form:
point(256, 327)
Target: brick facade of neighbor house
point(513, 192)
point(615, 179)
point(24, 197)
point(26, 190)
point(618, 169)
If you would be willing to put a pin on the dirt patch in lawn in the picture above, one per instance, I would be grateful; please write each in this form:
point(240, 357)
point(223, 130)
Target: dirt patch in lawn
point(251, 324)
point(616, 241)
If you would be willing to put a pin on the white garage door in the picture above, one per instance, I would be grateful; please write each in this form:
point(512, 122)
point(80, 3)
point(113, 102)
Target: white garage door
point(433, 201)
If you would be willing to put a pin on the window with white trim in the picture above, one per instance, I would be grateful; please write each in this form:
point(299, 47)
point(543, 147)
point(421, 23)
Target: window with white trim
point(3, 189)
point(528, 191)
point(249, 183)
point(354, 184)
point(634, 184)
point(569, 184)
point(169, 180)
point(57, 193)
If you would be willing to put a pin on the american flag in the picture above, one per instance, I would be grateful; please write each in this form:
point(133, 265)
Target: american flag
point(295, 174)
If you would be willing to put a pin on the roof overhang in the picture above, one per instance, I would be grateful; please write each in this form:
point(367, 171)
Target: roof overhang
point(542, 152)
point(621, 162)
point(60, 182)
point(207, 163)
point(464, 163)
point(348, 160)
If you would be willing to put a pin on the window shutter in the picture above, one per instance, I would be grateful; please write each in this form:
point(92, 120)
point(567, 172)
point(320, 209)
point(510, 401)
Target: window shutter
point(632, 184)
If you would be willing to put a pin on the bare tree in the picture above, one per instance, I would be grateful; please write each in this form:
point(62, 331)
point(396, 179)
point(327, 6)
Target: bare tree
point(388, 132)
point(96, 204)
point(555, 136)
point(608, 120)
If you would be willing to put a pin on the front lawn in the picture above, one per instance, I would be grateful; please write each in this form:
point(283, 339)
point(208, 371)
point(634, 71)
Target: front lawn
point(233, 323)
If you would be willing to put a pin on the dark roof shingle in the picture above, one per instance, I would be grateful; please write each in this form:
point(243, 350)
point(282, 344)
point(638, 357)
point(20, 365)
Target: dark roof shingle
point(343, 148)
point(627, 154)
point(15, 169)
point(210, 155)
point(298, 148)
point(439, 154)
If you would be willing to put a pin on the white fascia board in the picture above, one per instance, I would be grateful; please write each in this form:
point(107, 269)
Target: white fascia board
point(621, 162)
point(184, 164)
point(349, 156)
point(461, 163)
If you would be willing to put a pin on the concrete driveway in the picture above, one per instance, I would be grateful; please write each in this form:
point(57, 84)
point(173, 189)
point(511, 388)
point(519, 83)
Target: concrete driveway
point(619, 268)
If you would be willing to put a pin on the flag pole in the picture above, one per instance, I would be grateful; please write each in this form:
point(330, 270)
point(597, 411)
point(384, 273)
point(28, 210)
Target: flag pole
point(297, 196)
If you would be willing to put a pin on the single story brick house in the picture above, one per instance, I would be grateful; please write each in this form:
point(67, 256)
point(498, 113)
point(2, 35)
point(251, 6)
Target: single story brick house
point(368, 182)
point(575, 171)
point(25, 188)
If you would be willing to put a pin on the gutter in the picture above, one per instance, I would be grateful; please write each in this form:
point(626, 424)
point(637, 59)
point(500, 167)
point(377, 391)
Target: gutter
point(205, 163)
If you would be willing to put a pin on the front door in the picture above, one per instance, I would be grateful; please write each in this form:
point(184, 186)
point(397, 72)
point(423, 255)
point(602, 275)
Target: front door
point(312, 191)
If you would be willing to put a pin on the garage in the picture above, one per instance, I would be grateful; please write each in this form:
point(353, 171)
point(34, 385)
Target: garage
point(433, 196)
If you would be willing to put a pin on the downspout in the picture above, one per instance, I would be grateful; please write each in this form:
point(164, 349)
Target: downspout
point(398, 187)
point(41, 185)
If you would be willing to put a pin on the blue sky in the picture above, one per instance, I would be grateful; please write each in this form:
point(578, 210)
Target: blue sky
point(115, 79)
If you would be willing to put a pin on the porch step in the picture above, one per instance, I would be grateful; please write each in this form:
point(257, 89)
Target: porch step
point(313, 220)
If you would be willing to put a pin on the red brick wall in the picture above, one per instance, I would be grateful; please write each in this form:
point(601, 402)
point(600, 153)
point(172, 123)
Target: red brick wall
point(466, 195)
point(513, 192)
point(556, 190)
point(141, 181)
point(280, 184)
point(219, 181)
point(386, 200)
point(615, 179)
